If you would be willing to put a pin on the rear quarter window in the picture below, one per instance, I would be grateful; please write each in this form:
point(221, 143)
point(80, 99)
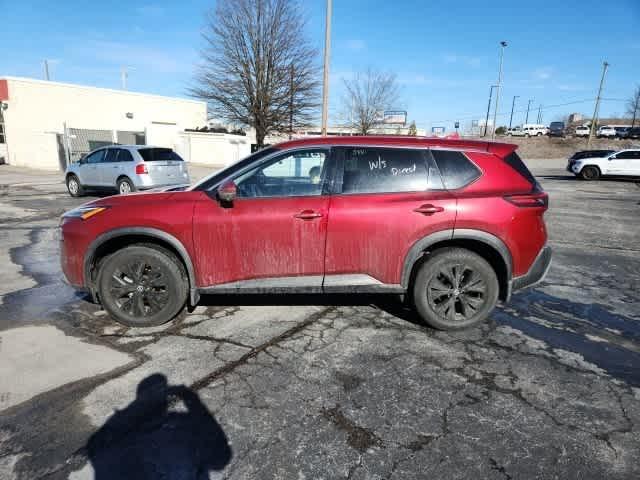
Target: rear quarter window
point(456, 169)
point(515, 162)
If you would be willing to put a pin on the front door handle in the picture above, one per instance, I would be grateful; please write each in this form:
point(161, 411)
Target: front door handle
point(428, 209)
point(307, 215)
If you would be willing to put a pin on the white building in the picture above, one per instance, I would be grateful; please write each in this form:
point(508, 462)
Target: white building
point(47, 124)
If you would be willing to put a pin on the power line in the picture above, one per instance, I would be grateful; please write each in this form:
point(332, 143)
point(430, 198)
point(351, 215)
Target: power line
point(474, 117)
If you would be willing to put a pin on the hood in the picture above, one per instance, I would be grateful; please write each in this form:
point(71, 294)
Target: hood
point(131, 199)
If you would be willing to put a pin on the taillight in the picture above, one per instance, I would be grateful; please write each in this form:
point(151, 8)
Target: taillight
point(141, 168)
point(538, 199)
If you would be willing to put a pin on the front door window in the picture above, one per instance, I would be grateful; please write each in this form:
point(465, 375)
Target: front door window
point(296, 174)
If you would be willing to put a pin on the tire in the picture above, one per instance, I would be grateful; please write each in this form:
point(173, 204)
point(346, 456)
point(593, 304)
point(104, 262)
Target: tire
point(590, 173)
point(442, 294)
point(539, 134)
point(125, 186)
point(74, 187)
point(129, 293)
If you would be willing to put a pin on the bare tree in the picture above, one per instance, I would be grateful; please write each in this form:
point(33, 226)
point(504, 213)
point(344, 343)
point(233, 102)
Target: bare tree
point(633, 106)
point(257, 67)
point(368, 94)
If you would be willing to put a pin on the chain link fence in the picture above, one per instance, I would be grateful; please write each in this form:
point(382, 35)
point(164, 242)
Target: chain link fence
point(80, 141)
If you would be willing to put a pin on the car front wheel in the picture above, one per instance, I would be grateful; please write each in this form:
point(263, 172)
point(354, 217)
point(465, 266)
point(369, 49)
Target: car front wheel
point(142, 286)
point(455, 289)
point(74, 186)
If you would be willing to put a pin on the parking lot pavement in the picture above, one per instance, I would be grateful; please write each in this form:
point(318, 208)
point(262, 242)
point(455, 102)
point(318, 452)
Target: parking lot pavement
point(308, 387)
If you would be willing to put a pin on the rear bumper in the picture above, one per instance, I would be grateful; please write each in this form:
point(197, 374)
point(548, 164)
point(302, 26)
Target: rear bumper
point(536, 273)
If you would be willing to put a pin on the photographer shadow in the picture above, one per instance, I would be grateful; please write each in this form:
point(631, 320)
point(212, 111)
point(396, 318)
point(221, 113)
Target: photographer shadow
point(152, 438)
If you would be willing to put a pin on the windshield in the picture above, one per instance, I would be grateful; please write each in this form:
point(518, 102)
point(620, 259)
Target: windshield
point(212, 180)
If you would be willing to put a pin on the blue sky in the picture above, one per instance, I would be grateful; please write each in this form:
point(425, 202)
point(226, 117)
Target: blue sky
point(445, 55)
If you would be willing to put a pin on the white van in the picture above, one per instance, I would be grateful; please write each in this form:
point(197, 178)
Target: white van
point(530, 130)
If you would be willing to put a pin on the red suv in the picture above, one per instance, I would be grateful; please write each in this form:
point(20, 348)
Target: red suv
point(455, 225)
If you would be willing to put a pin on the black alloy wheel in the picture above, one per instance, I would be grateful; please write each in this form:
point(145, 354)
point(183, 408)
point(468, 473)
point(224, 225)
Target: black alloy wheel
point(454, 289)
point(142, 286)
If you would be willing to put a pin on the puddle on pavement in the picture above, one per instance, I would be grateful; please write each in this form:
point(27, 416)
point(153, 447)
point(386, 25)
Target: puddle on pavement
point(40, 260)
point(605, 339)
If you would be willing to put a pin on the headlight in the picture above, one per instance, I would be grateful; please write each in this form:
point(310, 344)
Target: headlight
point(84, 212)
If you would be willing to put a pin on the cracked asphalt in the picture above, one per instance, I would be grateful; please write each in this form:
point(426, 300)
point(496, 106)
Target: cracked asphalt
point(310, 387)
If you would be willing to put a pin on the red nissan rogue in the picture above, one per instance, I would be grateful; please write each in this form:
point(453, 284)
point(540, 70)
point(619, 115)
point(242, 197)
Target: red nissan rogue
point(454, 225)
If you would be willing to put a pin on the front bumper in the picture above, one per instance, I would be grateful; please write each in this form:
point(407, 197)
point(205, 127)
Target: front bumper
point(537, 272)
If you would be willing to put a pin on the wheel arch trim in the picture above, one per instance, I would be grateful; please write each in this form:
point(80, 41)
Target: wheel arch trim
point(154, 233)
point(419, 247)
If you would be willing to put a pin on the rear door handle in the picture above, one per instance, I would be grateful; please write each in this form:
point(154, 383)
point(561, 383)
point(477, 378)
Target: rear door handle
point(428, 209)
point(307, 215)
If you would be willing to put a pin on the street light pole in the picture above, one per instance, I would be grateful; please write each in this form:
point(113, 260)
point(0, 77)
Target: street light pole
point(526, 120)
point(605, 65)
point(486, 120)
point(495, 111)
point(513, 103)
point(325, 80)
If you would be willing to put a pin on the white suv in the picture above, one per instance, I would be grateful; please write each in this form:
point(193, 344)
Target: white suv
point(606, 131)
point(582, 131)
point(623, 163)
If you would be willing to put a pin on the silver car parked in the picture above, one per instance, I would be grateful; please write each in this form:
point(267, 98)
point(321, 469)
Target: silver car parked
point(126, 168)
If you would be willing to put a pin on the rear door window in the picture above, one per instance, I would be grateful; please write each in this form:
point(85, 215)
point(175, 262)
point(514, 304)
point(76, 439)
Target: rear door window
point(159, 155)
point(112, 155)
point(456, 169)
point(388, 170)
point(124, 156)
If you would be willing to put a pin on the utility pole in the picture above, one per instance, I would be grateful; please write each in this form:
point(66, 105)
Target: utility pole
point(325, 80)
point(605, 66)
point(526, 120)
point(513, 103)
point(540, 113)
point(45, 65)
point(486, 120)
point(291, 105)
point(495, 111)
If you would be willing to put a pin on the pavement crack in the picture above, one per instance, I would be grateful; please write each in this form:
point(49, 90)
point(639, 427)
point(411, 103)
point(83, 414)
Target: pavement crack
point(499, 468)
point(231, 366)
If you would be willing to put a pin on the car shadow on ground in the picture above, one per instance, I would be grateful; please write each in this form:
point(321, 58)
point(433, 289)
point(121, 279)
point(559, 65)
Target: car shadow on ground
point(586, 182)
point(563, 325)
point(151, 438)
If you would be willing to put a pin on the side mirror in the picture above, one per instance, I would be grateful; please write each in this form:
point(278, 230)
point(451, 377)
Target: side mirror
point(228, 191)
point(612, 157)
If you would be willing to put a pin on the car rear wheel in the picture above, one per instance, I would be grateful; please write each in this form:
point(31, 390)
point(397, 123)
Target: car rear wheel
point(539, 134)
point(141, 286)
point(74, 186)
point(125, 186)
point(455, 289)
point(590, 173)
